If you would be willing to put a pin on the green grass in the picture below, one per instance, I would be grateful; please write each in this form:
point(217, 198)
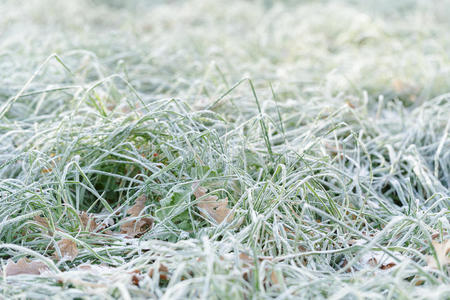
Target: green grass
point(325, 123)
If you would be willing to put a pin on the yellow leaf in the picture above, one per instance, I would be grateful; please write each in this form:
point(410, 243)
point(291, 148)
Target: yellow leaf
point(24, 266)
point(211, 206)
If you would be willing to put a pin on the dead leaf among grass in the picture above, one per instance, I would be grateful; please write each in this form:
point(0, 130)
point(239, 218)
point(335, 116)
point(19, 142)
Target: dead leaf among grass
point(68, 249)
point(88, 222)
point(274, 278)
point(442, 253)
point(248, 264)
point(138, 207)
point(163, 272)
point(211, 206)
point(25, 266)
point(137, 227)
point(41, 221)
point(380, 260)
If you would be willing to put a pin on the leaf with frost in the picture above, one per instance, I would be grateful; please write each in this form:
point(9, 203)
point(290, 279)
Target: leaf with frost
point(136, 227)
point(25, 266)
point(68, 249)
point(41, 221)
point(88, 222)
point(381, 259)
point(163, 272)
point(138, 207)
point(442, 254)
point(211, 206)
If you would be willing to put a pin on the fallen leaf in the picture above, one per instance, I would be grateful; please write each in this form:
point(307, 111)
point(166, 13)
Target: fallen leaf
point(333, 150)
point(45, 223)
point(211, 206)
point(380, 259)
point(162, 270)
point(96, 269)
point(273, 277)
point(88, 222)
point(405, 88)
point(442, 253)
point(351, 105)
point(137, 227)
point(245, 257)
point(137, 208)
point(68, 249)
point(136, 277)
point(399, 86)
point(25, 266)
point(46, 170)
point(41, 221)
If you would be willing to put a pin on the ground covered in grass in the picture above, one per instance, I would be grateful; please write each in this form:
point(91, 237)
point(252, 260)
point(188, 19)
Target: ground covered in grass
point(224, 149)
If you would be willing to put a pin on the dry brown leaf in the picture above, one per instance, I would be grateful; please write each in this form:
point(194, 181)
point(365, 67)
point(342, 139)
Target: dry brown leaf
point(136, 228)
point(88, 222)
point(211, 206)
point(351, 105)
point(273, 277)
point(162, 270)
point(380, 260)
point(399, 86)
point(137, 208)
point(387, 266)
point(25, 266)
point(248, 264)
point(96, 269)
point(46, 170)
point(442, 253)
point(333, 150)
point(41, 221)
point(136, 277)
point(68, 249)
point(44, 223)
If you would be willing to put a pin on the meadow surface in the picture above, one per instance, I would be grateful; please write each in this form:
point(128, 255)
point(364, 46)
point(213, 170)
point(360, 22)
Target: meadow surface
point(224, 149)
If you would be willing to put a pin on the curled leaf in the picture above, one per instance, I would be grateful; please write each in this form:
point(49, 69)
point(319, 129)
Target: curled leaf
point(442, 253)
point(212, 207)
point(68, 249)
point(25, 266)
point(137, 227)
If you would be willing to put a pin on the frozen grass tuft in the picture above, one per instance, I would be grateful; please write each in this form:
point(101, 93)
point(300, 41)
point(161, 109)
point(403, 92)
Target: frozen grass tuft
point(325, 124)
